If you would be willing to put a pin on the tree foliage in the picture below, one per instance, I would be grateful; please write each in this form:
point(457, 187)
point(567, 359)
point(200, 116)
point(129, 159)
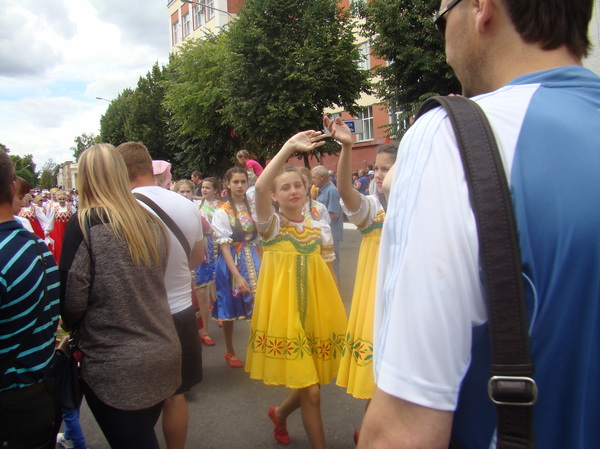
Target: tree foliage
point(82, 143)
point(287, 61)
point(139, 115)
point(113, 122)
point(48, 175)
point(25, 167)
point(402, 32)
point(4, 148)
point(195, 99)
point(148, 121)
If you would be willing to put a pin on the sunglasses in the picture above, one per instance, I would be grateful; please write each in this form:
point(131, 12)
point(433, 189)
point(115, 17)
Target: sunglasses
point(439, 21)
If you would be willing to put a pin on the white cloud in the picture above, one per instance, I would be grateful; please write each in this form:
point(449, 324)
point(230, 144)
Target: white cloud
point(56, 57)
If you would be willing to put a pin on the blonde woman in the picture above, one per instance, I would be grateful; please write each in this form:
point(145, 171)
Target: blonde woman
point(112, 269)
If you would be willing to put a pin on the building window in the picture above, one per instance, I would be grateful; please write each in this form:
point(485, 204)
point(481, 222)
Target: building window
point(175, 32)
point(399, 124)
point(197, 11)
point(364, 63)
point(366, 116)
point(187, 24)
point(210, 12)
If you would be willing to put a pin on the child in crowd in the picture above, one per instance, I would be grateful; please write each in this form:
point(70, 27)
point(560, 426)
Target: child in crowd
point(238, 264)
point(245, 160)
point(297, 331)
point(205, 272)
point(72, 436)
point(368, 214)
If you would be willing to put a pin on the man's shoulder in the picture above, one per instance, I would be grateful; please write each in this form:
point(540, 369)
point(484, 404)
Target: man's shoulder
point(172, 203)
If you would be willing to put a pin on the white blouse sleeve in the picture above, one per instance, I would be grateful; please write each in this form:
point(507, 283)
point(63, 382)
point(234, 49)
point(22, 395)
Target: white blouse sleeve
point(364, 216)
point(327, 250)
point(221, 227)
point(270, 228)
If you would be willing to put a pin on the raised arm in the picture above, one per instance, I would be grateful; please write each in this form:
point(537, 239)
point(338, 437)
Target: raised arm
point(303, 141)
point(340, 132)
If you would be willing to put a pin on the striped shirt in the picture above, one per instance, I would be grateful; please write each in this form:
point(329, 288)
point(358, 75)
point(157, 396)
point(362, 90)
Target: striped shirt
point(21, 290)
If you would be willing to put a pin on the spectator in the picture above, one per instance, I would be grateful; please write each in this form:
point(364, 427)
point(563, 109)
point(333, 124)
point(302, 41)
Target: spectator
point(29, 302)
point(197, 180)
point(521, 62)
point(251, 165)
point(114, 257)
point(329, 196)
point(177, 282)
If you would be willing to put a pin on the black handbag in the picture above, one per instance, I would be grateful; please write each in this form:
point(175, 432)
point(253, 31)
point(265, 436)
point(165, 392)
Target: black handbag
point(65, 371)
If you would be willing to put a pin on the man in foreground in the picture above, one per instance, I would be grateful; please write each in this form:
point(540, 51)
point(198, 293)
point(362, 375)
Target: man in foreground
point(30, 411)
point(521, 61)
point(177, 282)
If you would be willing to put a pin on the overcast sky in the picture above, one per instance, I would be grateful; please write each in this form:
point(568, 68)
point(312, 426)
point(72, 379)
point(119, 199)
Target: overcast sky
point(57, 56)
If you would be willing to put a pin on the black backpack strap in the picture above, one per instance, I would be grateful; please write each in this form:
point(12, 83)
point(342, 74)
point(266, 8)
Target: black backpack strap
point(168, 221)
point(8, 361)
point(510, 387)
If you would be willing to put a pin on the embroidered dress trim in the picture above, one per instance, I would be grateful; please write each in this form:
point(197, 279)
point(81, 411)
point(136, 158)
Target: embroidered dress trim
point(299, 347)
point(301, 283)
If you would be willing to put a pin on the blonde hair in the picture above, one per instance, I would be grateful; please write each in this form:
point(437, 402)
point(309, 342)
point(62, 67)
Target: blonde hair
point(242, 154)
point(183, 182)
point(103, 185)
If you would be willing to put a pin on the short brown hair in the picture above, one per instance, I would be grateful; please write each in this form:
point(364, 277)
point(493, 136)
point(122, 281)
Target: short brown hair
point(137, 159)
point(7, 176)
point(553, 23)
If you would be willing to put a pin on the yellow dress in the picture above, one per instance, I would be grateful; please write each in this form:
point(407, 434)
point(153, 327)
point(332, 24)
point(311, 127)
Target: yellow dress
point(356, 369)
point(299, 321)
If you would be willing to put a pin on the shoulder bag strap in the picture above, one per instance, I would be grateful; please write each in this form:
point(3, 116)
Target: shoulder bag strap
point(510, 386)
point(40, 311)
point(168, 221)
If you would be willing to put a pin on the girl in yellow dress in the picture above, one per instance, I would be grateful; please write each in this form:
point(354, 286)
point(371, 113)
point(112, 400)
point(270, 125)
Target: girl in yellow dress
point(297, 331)
point(367, 213)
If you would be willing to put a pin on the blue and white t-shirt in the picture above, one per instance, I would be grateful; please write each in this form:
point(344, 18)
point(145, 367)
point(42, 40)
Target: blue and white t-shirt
point(430, 324)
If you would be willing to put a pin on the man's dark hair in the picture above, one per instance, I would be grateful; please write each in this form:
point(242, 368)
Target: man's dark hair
point(197, 174)
point(553, 23)
point(7, 176)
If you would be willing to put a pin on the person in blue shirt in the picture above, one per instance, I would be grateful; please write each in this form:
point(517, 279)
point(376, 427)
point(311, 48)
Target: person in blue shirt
point(329, 196)
point(30, 412)
point(520, 60)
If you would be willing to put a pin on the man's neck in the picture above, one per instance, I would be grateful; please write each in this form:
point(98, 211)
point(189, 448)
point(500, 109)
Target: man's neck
point(536, 60)
point(142, 181)
point(6, 213)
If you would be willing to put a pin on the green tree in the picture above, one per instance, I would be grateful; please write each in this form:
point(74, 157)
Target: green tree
point(195, 97)
point(4, 148)
point(25, 168)
point(113, 121)
point(287, 61)
point(48, 175)
point(139, 115)
point(402, 32)
point(148, 119)
point(82, 143)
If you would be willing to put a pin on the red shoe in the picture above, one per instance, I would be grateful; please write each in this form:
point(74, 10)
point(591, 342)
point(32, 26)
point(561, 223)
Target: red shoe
point(356, 436)
point(207, 340)
point(233, 363)
point(280, 433)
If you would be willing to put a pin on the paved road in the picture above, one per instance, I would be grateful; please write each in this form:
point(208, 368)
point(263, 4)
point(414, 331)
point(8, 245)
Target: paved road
point(228, 410)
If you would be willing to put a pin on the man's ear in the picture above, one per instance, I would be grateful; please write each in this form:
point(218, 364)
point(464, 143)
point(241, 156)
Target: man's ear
point(485, 12)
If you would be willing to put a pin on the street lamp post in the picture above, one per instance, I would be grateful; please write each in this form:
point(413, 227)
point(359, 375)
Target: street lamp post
point(101, 98)
point(194, 2)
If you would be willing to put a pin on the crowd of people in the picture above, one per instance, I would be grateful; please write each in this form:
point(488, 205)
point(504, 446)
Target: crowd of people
point(140, 264)
point(138, 246)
